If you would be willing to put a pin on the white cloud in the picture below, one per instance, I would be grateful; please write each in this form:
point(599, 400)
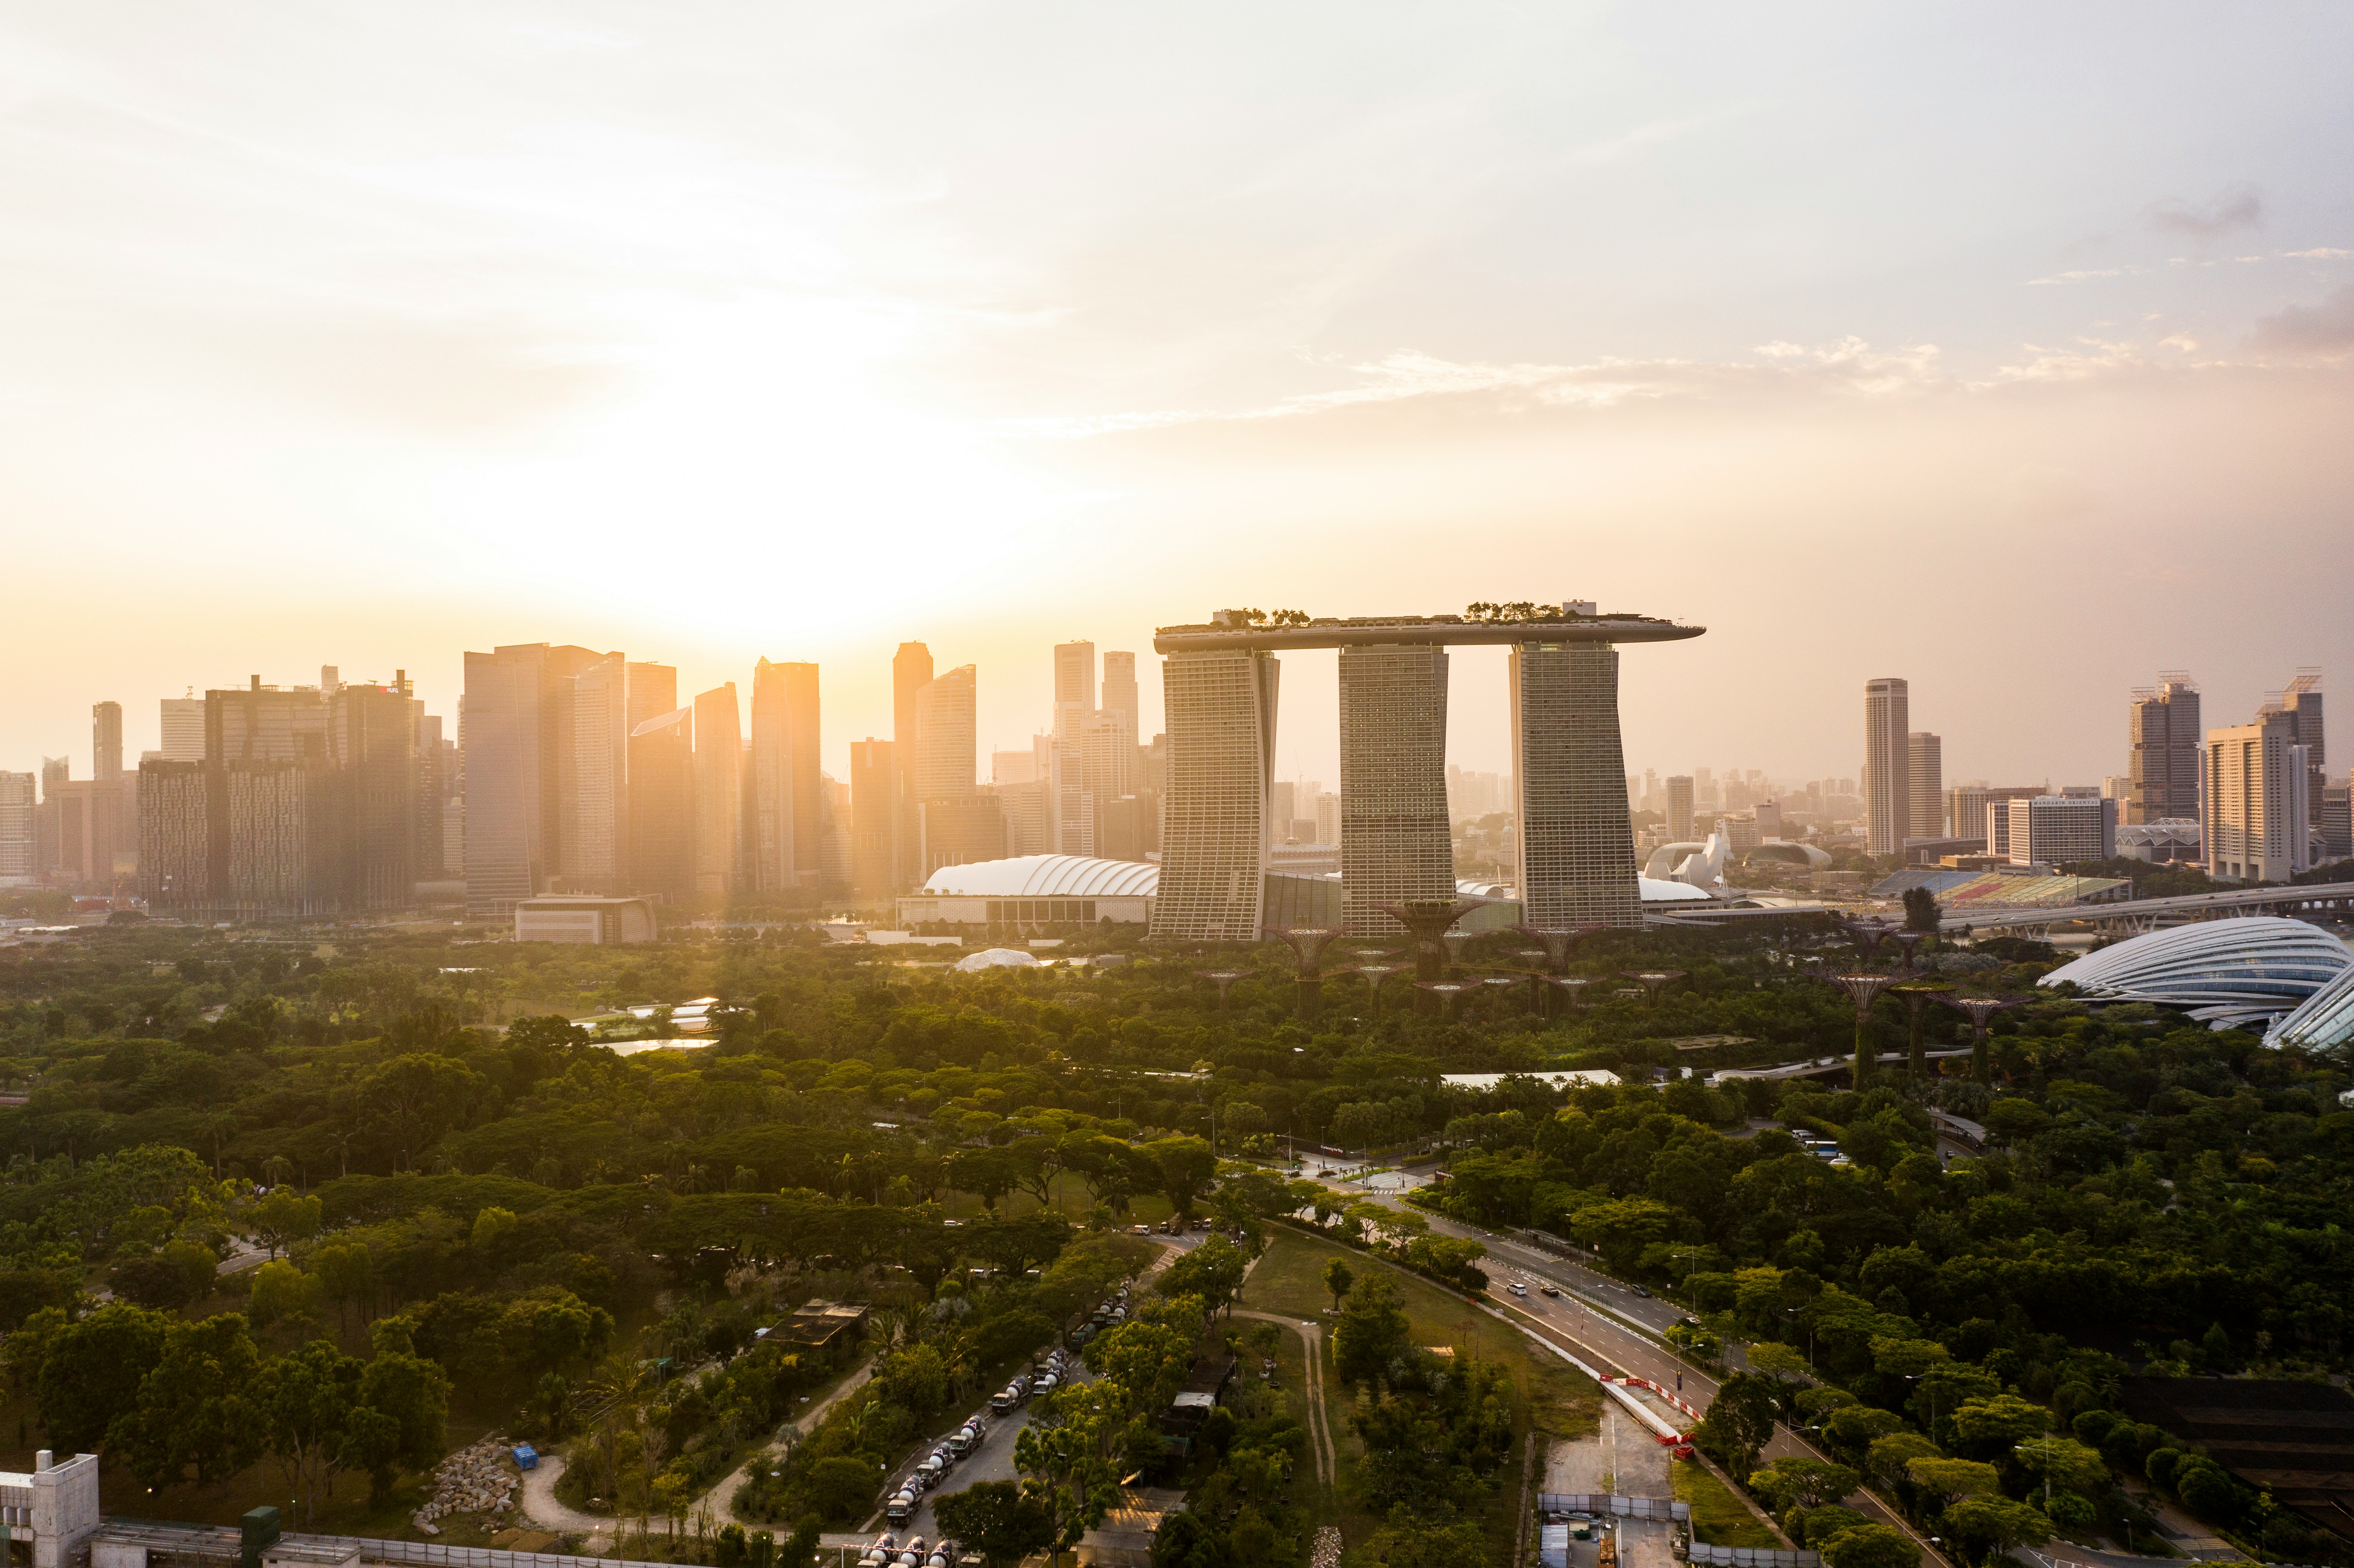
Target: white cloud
point(1849, 366)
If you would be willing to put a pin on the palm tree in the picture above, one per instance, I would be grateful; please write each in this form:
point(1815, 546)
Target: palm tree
point(217, 1128)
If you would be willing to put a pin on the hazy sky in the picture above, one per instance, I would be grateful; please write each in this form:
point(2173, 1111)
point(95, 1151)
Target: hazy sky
point(2001, 347)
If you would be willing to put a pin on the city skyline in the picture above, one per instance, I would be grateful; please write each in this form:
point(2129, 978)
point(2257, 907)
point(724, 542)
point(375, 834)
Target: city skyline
point(1312, 729)
point(329, 365)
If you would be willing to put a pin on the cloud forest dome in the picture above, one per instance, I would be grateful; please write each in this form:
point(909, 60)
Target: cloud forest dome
point(2226, 973)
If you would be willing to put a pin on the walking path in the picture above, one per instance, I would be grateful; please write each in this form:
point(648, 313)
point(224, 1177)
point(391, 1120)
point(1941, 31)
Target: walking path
point(720, 1498)
point(1320, 1425)
point(542, 1508)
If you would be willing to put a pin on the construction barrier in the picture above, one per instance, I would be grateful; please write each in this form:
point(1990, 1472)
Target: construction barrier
point(1619, 1506)
point(1754, 1557)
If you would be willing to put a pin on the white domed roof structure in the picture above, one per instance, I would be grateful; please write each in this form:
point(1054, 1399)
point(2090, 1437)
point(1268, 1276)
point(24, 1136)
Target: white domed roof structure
point(1047, 877)
point(996, 959)
point(1660, 890)
point(2225, 973)
point(2323, 1019)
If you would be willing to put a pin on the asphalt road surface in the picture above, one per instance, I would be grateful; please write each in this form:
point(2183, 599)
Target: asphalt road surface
point(1608, 1326)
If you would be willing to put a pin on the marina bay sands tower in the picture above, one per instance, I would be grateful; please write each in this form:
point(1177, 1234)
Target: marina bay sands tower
point(1576, 858)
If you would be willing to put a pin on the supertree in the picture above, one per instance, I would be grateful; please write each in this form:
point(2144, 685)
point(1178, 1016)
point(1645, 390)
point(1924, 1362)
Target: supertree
point(1980, 1011)
point(1867, 935)
point(1560, 941)
point(1225, 980)
point(1918, 995)
point(1863, 989)
point(1653, 981)
point(1446, 991)
point(1307, 944)
point(1374, 975)
point(1426, 920)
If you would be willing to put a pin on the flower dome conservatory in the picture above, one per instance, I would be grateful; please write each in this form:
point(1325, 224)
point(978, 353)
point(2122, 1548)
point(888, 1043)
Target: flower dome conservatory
point(2227, 974)
point(2323, 1019)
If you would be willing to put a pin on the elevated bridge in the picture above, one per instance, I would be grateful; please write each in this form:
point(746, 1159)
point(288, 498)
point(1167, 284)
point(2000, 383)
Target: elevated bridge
point(2331, 901)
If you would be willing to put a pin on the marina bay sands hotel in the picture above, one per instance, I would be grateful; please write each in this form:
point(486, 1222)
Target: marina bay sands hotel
point(1576, 855)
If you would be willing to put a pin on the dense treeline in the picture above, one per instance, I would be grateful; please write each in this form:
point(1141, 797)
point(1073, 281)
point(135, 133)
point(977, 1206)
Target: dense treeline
point(538, 1218)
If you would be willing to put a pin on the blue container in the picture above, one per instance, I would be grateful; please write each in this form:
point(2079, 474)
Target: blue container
point(526, 1457)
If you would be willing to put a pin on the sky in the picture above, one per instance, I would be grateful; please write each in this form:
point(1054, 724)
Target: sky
point(2003, 348)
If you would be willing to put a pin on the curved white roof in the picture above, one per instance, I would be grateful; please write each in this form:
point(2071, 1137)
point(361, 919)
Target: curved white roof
point(1081, 877)
point(2227, 973)
point(1657, 890)
point(1652, 889)
point(2323, 1019)
point(1047, 877)
point(996, 959)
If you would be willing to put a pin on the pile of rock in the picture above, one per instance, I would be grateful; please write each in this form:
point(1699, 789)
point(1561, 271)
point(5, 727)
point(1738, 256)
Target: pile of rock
point(1326, 1553)
point(477, 1479)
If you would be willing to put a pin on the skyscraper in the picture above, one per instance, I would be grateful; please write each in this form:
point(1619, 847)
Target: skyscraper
point(1070, 805)
point(255, 723)
point(1925, 762)
point(183, 841)
point(373, 740)
point(106, 742)
point(514, 827)
point(425, 835)
point(718, 790)
point(661, 848)
point(1680, 808)
point(16, 842)
point(1887, 767)
point(1574, 844)
point(592, 777)
point(2302, 701)
point(184, 729)
point(1395, 844)
point(1075, 681)
point(956, 825)
point(911, 672)
point(2163, 733)
point(787, 820)
point(1119, 691)
point(2259, 823)
point(946, 764)
point(875, 816)
point(1221, 716)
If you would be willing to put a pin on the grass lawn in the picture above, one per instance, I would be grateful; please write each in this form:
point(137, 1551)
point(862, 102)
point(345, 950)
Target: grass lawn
point(1556, 1399)
point(1719, 1518)
point(1070, 1201)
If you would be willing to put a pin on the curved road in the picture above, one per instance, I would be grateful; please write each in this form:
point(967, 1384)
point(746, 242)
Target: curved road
point(1598, 1321)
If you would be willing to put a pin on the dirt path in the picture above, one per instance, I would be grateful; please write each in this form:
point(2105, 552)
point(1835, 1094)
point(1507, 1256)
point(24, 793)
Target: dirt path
point(540, 1507)
point(1319, 1426)
point(720, 1498)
